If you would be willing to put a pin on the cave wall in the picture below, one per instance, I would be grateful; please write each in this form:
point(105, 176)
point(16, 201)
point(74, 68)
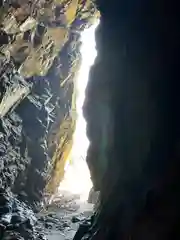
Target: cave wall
point(39, 60)
point(132, 113)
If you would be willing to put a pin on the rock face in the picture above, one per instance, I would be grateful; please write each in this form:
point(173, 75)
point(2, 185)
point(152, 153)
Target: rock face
point(17, 221)
point(39, 59)
point(131, 108)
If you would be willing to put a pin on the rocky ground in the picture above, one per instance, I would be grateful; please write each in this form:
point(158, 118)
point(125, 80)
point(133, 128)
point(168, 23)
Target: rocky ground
point(57, 220)
point(61, 218)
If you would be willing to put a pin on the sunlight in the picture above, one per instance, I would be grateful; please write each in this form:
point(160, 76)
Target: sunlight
point(77, 177)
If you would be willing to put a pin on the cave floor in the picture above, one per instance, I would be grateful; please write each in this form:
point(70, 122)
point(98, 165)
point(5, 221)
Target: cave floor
point(60, 219)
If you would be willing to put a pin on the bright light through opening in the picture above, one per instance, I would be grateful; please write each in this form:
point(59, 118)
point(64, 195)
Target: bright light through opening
point(77, 177)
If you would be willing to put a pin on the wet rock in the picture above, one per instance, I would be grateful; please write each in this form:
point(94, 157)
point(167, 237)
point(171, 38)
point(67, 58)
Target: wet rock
point(60, 228)
point(52, 220)
point(16, 219)
point(48, 225)
point(93, 196)
point(41, 237)
point(65, 225)
point(51, 215)
point(41, 219)
point(19, 221)
point(82, 230)
point(75, 219)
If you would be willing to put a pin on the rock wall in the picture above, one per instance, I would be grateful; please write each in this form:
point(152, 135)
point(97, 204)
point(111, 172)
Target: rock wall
point(39, 58)
point(132, 113)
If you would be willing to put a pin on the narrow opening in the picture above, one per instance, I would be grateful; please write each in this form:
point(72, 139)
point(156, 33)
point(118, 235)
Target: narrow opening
point(77, 177)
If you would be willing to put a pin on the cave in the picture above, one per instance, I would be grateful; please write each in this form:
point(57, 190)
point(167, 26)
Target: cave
point(130, 107)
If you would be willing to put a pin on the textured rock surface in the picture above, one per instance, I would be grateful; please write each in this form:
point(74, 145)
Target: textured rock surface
point(61, 218)
point(131, 108)
point(133, 121)
point(17, 220)
point(39, 59)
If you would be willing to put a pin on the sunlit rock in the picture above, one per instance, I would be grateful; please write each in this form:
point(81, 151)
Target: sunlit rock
point(42, 40)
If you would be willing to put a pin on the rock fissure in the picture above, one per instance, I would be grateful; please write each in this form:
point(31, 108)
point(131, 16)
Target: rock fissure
point(131, 109)
point(39, 61)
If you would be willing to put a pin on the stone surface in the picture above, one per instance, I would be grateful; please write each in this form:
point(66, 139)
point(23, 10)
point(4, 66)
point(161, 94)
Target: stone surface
point(131, 107)
point(39, 58)
point(132, 113)
point(17, 220)
point(39, 61)
point(60, 214)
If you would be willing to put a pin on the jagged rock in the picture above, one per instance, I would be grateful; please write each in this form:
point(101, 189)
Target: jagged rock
point(39, 59)
point(38, 62)
point(18, 221)
point(82, 231)
point(13, 88)
point(54, 18)
point(75, 219)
